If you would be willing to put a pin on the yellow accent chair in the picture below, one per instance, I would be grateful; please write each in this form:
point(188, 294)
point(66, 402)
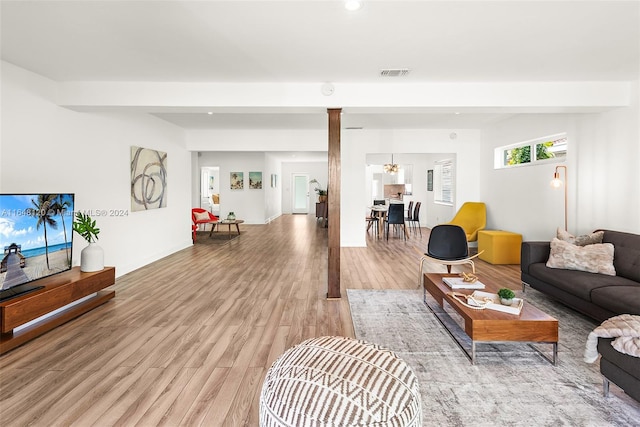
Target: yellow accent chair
point(472, 217)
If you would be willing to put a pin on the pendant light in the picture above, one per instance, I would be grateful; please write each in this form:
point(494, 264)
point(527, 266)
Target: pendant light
point(391, 168)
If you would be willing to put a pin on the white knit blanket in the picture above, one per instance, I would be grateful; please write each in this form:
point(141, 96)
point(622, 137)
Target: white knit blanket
point(625, 328)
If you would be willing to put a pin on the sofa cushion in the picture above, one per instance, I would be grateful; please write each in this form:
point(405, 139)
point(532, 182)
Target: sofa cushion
point(596, 258)
point(618, 299)
point(578, 283)
point(583, 240)
point(626, 259)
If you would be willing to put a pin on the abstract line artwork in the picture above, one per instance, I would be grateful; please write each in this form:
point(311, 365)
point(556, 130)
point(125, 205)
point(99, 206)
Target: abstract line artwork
point(148, 179)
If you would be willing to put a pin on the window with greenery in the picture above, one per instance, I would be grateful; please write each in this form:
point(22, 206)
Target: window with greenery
point(443, 182)
point(540, 149)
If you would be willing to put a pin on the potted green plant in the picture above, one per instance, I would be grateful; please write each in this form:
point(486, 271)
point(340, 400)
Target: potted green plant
point(322, 194)
point(506, 296)
point(92, 256)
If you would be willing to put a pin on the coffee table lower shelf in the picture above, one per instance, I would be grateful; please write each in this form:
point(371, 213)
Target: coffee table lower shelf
point(468, 346)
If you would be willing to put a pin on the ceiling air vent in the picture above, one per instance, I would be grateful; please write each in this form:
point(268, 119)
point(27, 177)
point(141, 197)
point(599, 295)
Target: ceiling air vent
point(394, 72)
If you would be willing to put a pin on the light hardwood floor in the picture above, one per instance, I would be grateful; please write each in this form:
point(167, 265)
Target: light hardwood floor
point(189, 338)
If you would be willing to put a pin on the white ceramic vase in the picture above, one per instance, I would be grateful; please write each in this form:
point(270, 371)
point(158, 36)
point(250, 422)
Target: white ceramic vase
point(92, 258)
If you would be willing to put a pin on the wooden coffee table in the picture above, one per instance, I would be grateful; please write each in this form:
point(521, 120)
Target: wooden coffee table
point(230, 222)
point(490, 326)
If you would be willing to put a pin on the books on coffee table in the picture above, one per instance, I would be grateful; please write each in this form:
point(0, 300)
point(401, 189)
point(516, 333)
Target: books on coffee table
point(458, 283)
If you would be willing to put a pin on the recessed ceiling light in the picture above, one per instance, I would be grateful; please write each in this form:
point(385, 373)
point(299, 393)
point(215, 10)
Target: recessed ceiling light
point(352, 5)
point(209, 112)
point(457, 112)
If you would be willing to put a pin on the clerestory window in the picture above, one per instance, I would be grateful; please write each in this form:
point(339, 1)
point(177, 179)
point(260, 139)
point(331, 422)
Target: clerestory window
point(537, 150)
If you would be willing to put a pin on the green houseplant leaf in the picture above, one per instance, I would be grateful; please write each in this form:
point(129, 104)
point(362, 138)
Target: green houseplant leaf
point(86, 227)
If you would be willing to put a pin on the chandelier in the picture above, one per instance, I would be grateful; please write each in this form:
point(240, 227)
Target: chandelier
point(391, 168)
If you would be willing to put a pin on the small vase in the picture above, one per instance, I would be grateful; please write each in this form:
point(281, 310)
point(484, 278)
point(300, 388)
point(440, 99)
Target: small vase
point(231, 216)
point(92, 258)
point(505, 301)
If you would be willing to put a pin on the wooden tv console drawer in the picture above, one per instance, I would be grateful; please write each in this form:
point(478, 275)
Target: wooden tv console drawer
point(57, 292)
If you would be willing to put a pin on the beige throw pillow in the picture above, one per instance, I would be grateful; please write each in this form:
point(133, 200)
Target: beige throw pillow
point(201, 216)
point(595, 258)
point(584, 240)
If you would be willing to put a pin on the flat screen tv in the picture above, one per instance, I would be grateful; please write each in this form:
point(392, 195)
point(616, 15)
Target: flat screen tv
point(36, 236)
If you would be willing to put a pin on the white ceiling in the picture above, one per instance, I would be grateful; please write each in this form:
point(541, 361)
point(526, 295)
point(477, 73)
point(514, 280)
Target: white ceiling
point(319, 41)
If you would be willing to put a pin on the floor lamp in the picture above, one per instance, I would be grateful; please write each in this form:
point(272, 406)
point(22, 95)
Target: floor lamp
point(556, 182)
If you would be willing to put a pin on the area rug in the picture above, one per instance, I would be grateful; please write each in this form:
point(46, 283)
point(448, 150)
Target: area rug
point(510, 384)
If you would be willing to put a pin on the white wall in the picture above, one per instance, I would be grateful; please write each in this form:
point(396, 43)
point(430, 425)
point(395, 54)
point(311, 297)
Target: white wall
point(46, 148)
point(273, 195)
point(247, 204)
point(258, 140)
point(603, 175)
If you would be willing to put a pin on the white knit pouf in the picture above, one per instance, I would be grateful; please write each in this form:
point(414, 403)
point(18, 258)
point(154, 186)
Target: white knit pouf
point(338, 381)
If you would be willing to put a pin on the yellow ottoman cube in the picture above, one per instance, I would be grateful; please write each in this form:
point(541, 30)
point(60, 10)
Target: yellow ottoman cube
point(500, 247)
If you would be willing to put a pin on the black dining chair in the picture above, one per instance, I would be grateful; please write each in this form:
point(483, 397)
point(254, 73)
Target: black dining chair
point(372, 221)
point(379, 202)
point(415, 217)
point(395, 216)
point(409, 212)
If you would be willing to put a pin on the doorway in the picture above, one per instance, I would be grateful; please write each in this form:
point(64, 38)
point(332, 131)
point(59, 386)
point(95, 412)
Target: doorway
point(300, 203)
point(210, 189)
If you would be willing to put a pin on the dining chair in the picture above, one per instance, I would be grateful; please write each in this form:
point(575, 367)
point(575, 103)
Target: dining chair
point(395, 216)
point(415, 217)
point(409, 212)
point(372, 221)
point(379, 202)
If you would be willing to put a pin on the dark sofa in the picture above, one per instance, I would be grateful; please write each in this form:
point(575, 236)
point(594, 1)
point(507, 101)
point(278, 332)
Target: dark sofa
point(619, 368)
point(596, 295)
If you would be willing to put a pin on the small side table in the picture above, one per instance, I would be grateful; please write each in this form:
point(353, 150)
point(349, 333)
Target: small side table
point(230, 222)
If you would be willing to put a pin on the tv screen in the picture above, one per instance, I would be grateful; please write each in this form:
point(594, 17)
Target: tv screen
point(36, 235)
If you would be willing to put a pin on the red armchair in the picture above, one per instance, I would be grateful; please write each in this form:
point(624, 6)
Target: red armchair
point(202, 216)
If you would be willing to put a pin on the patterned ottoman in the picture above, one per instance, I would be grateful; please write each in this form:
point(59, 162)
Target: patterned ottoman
point(338, 381)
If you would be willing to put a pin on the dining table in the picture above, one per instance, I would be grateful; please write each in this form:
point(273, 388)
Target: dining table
point(381, 212)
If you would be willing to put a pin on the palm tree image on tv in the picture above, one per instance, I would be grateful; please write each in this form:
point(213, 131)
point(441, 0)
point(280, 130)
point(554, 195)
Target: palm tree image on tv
point(44, 212)
point(61, 206)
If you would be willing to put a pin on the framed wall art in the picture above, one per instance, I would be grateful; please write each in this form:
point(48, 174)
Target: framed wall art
point(236, 180)
point(148, 179)
point(255, 180)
